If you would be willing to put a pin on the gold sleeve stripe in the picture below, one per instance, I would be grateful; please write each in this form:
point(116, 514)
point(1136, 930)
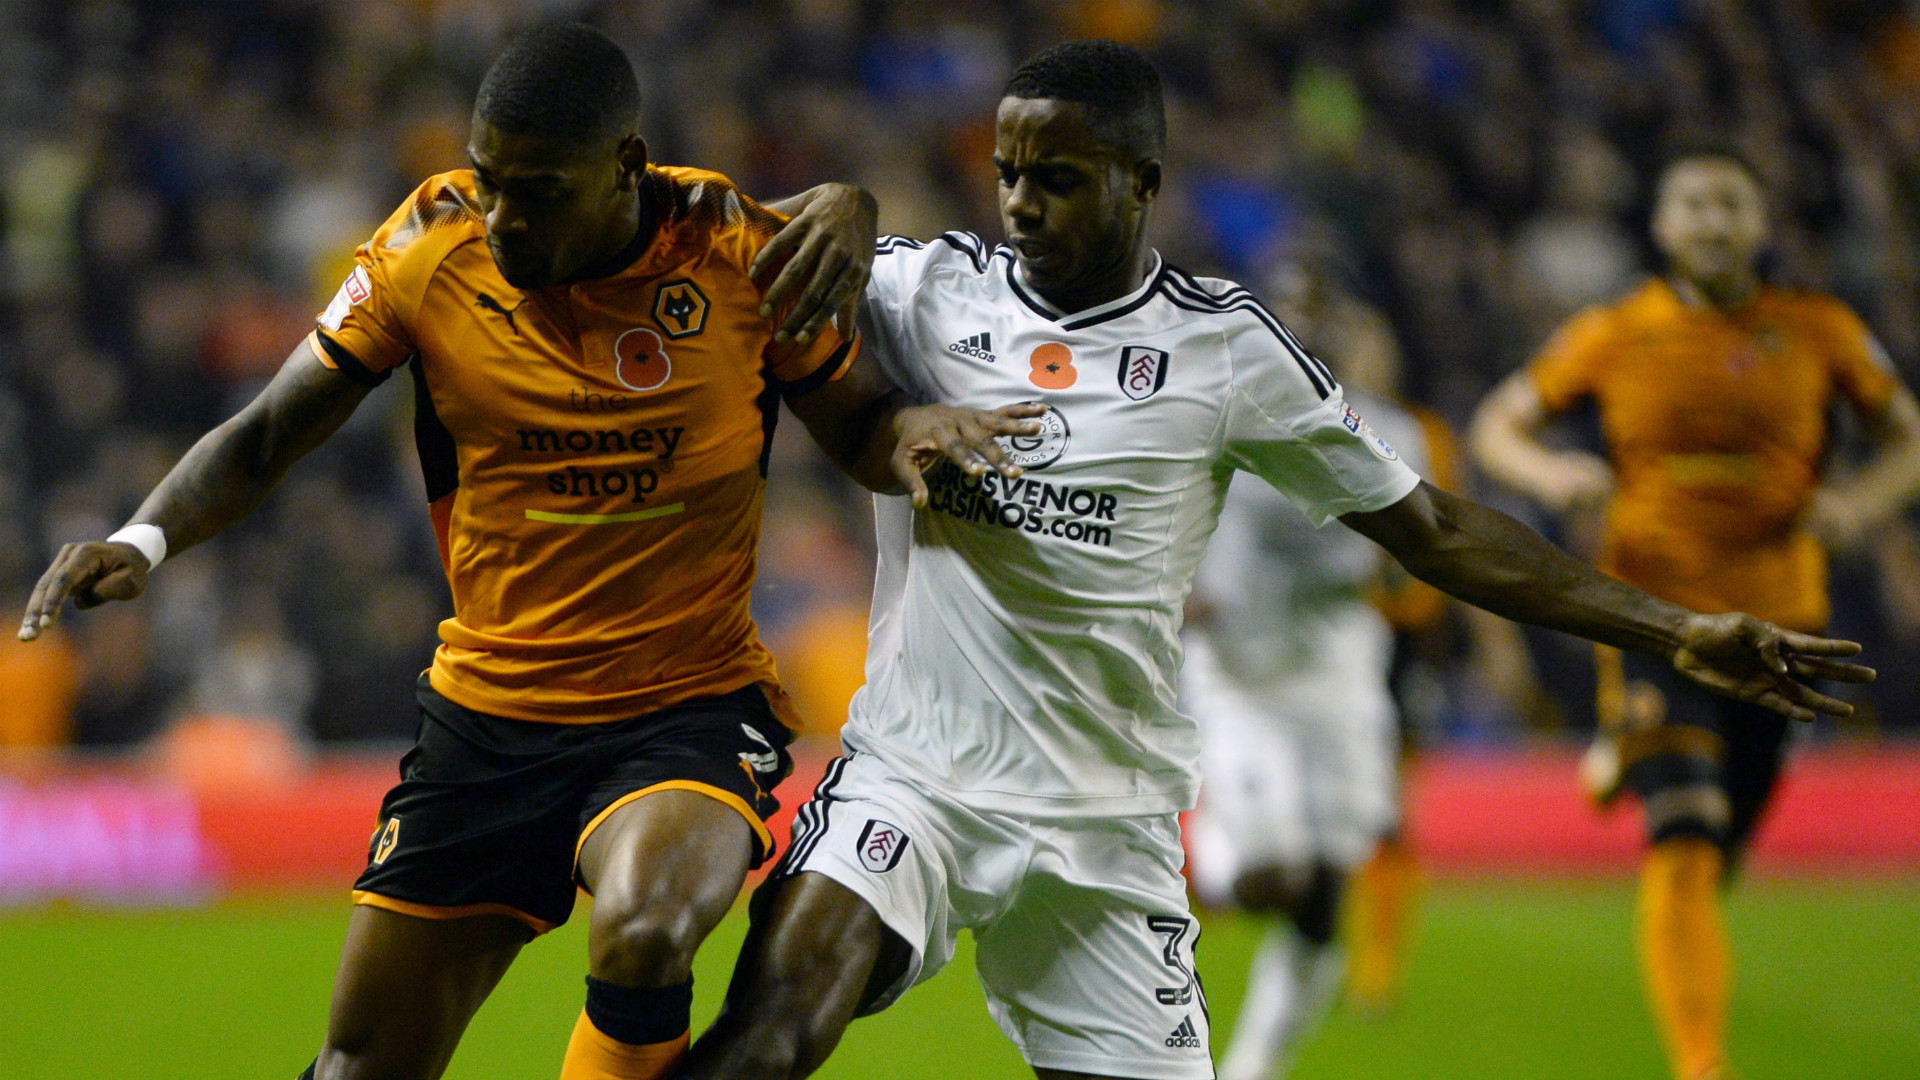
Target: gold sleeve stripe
point(606, 519)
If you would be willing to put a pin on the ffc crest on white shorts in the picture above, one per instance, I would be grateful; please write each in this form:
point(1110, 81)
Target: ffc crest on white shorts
point(880, 846)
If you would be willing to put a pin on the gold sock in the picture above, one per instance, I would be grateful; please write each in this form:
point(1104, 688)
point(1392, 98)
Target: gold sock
point(1379, 925)
point(594, 1055)
point(1684, 955)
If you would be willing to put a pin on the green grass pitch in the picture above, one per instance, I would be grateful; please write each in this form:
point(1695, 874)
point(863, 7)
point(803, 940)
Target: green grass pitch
point(1509, 979)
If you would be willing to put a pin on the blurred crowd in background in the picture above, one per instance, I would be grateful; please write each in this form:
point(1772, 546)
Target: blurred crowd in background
point(182, 184)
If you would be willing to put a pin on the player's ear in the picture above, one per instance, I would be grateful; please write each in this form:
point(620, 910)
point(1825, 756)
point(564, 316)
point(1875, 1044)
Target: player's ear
point(1146, 180)
point(632, 156)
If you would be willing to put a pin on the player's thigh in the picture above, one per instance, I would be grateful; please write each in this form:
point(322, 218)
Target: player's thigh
point(878, 837)
point(816, 955)
point(1091, 969)
point(663, 871)
point(1757, 744)
point(1253, 813)
point(1348, 752)
point(1675, 759)
point(407, 987)
point(671, 826)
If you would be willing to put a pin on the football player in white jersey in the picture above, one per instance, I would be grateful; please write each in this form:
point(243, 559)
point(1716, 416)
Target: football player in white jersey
point(1016, 763)
point(1287, 661)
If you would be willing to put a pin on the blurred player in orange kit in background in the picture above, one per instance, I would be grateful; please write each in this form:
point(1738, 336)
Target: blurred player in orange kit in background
point(1714, 390)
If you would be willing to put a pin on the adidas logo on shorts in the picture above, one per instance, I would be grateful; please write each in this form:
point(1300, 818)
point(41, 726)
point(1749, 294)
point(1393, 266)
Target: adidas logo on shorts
point(1184, 1037)
point(979, 346)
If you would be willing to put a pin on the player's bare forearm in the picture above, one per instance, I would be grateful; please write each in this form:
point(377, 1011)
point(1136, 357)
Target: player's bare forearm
point(1892, 479)
point(217, 483)
point(1505, 443)
point(231, 469)
point(885, 442)
point(851, 420)
point(1492, 561)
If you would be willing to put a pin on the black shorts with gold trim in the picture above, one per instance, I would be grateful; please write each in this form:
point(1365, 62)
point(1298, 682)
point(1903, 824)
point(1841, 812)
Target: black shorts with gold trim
point(1683, 742)
point(490, 813)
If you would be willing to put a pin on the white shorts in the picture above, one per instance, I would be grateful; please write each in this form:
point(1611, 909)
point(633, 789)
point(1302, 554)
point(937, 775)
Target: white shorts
point(1288, 777)
point(1084, 942)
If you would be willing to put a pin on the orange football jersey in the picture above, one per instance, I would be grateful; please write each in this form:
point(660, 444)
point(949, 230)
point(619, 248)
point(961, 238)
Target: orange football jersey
point(1716, 425)
point(594, 452)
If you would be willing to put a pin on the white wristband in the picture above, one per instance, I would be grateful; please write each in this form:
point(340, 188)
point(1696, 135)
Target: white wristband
point(151, 541)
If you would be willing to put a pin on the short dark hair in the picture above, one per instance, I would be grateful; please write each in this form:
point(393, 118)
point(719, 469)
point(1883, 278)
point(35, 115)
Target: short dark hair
point(566, 81)
point(1684, 150)
point(1118, 87)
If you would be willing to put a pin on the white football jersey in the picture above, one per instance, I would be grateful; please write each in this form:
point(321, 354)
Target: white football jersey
point(1285, 601)
point(1024, 640)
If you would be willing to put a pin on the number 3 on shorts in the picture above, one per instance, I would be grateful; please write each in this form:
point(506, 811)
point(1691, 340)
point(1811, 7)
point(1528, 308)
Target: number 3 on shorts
point(1174, 928)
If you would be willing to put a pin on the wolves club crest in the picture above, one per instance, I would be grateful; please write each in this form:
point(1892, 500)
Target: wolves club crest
point(680, 308)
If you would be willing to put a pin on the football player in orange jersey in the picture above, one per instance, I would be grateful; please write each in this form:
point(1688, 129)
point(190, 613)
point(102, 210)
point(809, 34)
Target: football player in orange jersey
point(597, 369)
point(1714, 390)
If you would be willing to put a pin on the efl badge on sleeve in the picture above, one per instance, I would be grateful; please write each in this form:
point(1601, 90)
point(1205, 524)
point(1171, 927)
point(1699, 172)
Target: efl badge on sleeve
point(353, 291)
point(1380, 447)
point(1143, 371)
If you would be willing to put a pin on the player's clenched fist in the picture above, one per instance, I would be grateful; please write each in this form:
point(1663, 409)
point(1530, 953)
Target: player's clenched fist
point(966, 437)
point(92, 574)
point(1760, 663)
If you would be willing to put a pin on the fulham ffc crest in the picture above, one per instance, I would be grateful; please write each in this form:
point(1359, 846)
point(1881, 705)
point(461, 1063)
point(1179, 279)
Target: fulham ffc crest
point(1143, 371)
point(880, 845)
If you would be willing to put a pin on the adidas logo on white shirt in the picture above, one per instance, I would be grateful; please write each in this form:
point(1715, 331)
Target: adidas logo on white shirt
point(979, 346)
point(1184, 1037)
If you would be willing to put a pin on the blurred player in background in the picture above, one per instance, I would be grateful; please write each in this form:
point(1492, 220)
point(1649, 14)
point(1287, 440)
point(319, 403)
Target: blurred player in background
point(1017, 762)
point(597, 370)
point(1714, 390)
point(1287, 660)
point(1360, 346)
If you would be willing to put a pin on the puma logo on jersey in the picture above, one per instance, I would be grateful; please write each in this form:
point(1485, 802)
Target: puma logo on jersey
point(979, 346)
point(497, 308)
point(1185, 1037)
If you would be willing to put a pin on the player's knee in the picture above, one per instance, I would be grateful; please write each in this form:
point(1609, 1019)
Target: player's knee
point(650, 946)
point(1266, 890)
point(1316, 910)
point(1696, 810)
point(359, 1063)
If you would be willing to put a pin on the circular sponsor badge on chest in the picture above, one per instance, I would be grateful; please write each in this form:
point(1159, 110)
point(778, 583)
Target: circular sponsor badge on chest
point(1042, 450)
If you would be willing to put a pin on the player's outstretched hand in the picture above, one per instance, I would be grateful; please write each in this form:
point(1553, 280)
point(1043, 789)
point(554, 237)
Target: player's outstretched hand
point(1759, 663)
point(966, 437)
point(92, 574)
point(824, 256)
